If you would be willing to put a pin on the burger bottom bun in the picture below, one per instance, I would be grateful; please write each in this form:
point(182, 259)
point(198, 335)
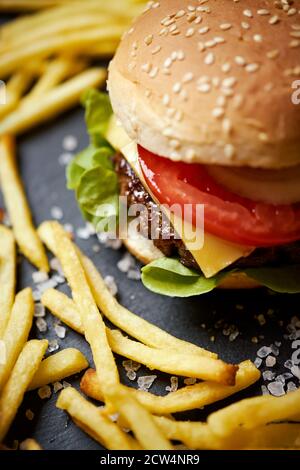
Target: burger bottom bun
point(145, 251)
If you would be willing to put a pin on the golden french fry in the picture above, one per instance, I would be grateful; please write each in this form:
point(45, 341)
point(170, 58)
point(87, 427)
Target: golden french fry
point(54, 368)
point(254, 412)
point(24, 5)
point(172, 362)
point(49, 105)
point(7, 275)
point(63, 308)
point(16, 332)
point(72, 42)
point(184, 399)
point(120, 316)
point(92, 421)
point(92, 321)
point(30, 444)
point(139, 420)
point(56, 71)
point(17, 206)
point(15, 88)
point(17, 384)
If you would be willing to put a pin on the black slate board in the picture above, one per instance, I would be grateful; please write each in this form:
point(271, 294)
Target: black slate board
point(44, 180)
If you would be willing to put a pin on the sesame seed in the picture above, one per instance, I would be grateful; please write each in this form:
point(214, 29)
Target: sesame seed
point(198, 20)
point(180, 14)
point(203, 30)
point(153, 72)
point(216, 81)
point(168, 62)
point(188, 77)
point(274, 19)
point(273, 54)
point(191, 17)
point(177, 87)
point(175, 32)
point(229, 82)
point(166, 99)
point(221, 101)
point(257, 37)
point(292, 11)
point(191, 8)
point(295, 34)
point(146, 67)
point(263, 12)
point(237, 101)
point(239, 60)
point(296, 27)
point(148, 39)
point(173, 28)
point(163, 32)
point(156, 50)
point(174, 56)
point(225, 26)
point(294, 43)
point(190, 32)
point(252, 67)
point(227, 126)
point(209, 58)
point(201, 46)
point(219, 39)
point(226, 67)
point(245, 25)
point(248, 13)
point(204, 88)
point(229, 151)
point(228, 91)
point(210, 43)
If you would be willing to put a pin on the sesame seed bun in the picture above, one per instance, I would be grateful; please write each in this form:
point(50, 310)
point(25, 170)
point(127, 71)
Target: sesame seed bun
point(145, 251)
point(210, 81)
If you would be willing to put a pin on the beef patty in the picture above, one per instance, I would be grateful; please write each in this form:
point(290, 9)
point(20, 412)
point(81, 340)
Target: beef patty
point(131, 187)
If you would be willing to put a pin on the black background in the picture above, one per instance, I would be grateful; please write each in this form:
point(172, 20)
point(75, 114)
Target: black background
point(44, 179)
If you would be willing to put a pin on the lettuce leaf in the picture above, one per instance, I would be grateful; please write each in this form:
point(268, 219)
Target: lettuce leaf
point(91, 174)
point(167, 276)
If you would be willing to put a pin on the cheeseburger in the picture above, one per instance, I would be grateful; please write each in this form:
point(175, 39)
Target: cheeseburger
point(201, 112)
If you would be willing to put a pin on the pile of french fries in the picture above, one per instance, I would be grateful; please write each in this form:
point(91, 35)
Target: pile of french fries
point(47, 59)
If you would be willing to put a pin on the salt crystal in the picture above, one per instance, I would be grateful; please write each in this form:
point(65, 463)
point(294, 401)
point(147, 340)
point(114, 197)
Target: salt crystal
point(291, 387)
point(264, 351)
point(44, 392)
point(41, 325)
point(39, 310)
point(134, 274)
point(190, 381)
point(56, 213)
point(276, 389)
point(53, 345)
point(258, 362)
point(83, 233)
point(146, 381)
point(96, 248)
point(39, 276)
point(268, 375)
point(126, 263)
point(295, 370)
point(29, 414)
point(278, 344)
point(57, 386)
point(70, 143)
point(283, 377)
point(274, 350)
point(65, 158)
point(264, 390)
point(66, 384)
point(43, 286)
point(288, 364)
point(270, 361)
point(55, 265)
point(174, 385)
point(69, 228)
point(131, 375)
point(128, 364)
point(111, 285)
point(58, 279)
point(60, 330)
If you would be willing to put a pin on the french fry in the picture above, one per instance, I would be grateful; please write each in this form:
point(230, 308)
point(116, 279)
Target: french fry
point(18, 208)
point(56, 71)
point(121, 317)
point(131, 323)
point(63, 308)
point(92, 321)
point(30, 444)
point(15, 88)
point(45, 47)
point(139, 420)
point(92, 421)
point(184, 399)
point(17, 331)
point(254, 412)
point(24, 5)
point(172, 362)
point(49, 105)
point(17, 384)
point(54, 368)
point(190, 365)
point(7, 275)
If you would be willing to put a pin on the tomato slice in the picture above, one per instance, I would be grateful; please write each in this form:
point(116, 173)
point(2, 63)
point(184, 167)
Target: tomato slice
point(227, 215)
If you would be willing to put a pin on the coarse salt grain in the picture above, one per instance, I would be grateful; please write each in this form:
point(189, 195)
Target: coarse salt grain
point(57, 213)
point(60, 330)
point(264, 351)
point(70, 143)
point(57, 386)
point(258, 362)
point(44, 392)
point(41, 325)
point(39, 310)
point(270, 361)
point(65, 158)
point(53, 345)
point(174, 385)
point(145, 382)
point(126, 263)
point(276, 389)
point(39, 277)
point(111, 285)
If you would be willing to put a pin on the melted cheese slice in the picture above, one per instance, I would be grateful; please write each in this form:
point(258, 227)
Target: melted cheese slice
point(216, 254)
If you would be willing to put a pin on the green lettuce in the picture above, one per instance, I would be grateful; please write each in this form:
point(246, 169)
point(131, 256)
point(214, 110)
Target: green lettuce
point(91, 173)
point(167, 276)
